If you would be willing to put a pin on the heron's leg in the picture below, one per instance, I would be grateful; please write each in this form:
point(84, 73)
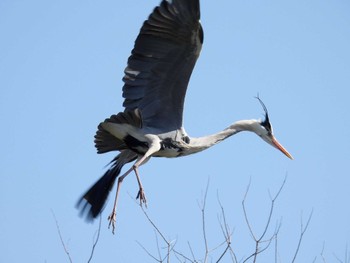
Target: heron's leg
point(141, 193)
point(113, 215)
point(155, 146)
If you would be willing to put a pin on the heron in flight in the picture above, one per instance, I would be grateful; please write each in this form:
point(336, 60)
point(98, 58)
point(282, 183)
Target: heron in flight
point(155, 83)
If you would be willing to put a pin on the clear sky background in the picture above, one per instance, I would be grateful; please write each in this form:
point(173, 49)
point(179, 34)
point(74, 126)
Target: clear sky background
point(61, 64)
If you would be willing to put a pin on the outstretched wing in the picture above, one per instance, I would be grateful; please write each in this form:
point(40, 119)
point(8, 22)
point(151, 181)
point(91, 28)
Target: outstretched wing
point(161, 64)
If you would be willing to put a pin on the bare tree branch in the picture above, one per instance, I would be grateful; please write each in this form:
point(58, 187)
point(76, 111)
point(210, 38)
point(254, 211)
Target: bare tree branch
point(245, 212)
point(160, 234)
point(226, 233)
point(148, 253)
point(259, 241)
point(323, 258)
point(189, 245)
point(346, 256)
point(154, 226)
point(170, 246)
point(184, 257)
point(60, 235)
point(203, 223)
point(158, 248)
point(97, 234)
point(262, 241)
point(302, 232)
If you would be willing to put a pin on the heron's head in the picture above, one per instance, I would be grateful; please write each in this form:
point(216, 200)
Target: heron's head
point(265, 131)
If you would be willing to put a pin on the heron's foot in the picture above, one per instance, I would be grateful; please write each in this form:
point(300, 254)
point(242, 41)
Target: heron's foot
point(112, 218)
point(141, 195)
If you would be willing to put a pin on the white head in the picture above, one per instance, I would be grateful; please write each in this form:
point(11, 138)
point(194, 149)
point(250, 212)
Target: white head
point(264, 130)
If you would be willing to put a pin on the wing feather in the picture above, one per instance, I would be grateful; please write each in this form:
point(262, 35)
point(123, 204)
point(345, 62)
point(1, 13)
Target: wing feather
point(161, 64)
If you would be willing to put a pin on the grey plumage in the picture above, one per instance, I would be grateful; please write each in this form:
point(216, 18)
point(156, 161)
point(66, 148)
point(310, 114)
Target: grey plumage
point(156, 79)
point(155, 84)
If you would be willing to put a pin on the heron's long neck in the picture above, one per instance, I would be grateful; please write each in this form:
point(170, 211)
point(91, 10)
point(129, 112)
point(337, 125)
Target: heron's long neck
point(202, 143)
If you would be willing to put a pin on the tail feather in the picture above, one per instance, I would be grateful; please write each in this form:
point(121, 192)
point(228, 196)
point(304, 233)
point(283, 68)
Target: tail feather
point(106, 142)
point(93, 201)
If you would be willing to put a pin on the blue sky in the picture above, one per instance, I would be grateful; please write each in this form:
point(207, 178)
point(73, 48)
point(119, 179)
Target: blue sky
point(61, 64)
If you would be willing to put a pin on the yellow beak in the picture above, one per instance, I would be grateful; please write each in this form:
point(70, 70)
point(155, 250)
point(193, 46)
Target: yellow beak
point(281, 148)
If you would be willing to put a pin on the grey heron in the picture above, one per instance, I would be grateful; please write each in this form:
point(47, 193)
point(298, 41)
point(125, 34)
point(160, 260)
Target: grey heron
point(155, 83)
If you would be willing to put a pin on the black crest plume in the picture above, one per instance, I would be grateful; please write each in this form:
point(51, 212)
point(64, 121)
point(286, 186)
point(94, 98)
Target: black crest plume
point(266, 123)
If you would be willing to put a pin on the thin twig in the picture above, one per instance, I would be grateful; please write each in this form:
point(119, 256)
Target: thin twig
point(182, 255)
point(272, 207)
point(158, 248)
point(190, 247)
point(259, 250)
point(160, 234)
point(302, 232)
point(60, 235)
point(323, 258)
point(154, 226)
point(260, 240)
point(245, 212)
point(346, 257)
point(168, 253)
point(338, 259)
point(97, 234)
point(203, 223)
point(226, 233)
point(170, 246)
point(223, 253)
point(276, 248)
point(148, 253)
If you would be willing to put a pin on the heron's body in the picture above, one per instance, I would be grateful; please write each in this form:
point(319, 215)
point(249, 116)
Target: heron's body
point(171, 144)
point(155, 84)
